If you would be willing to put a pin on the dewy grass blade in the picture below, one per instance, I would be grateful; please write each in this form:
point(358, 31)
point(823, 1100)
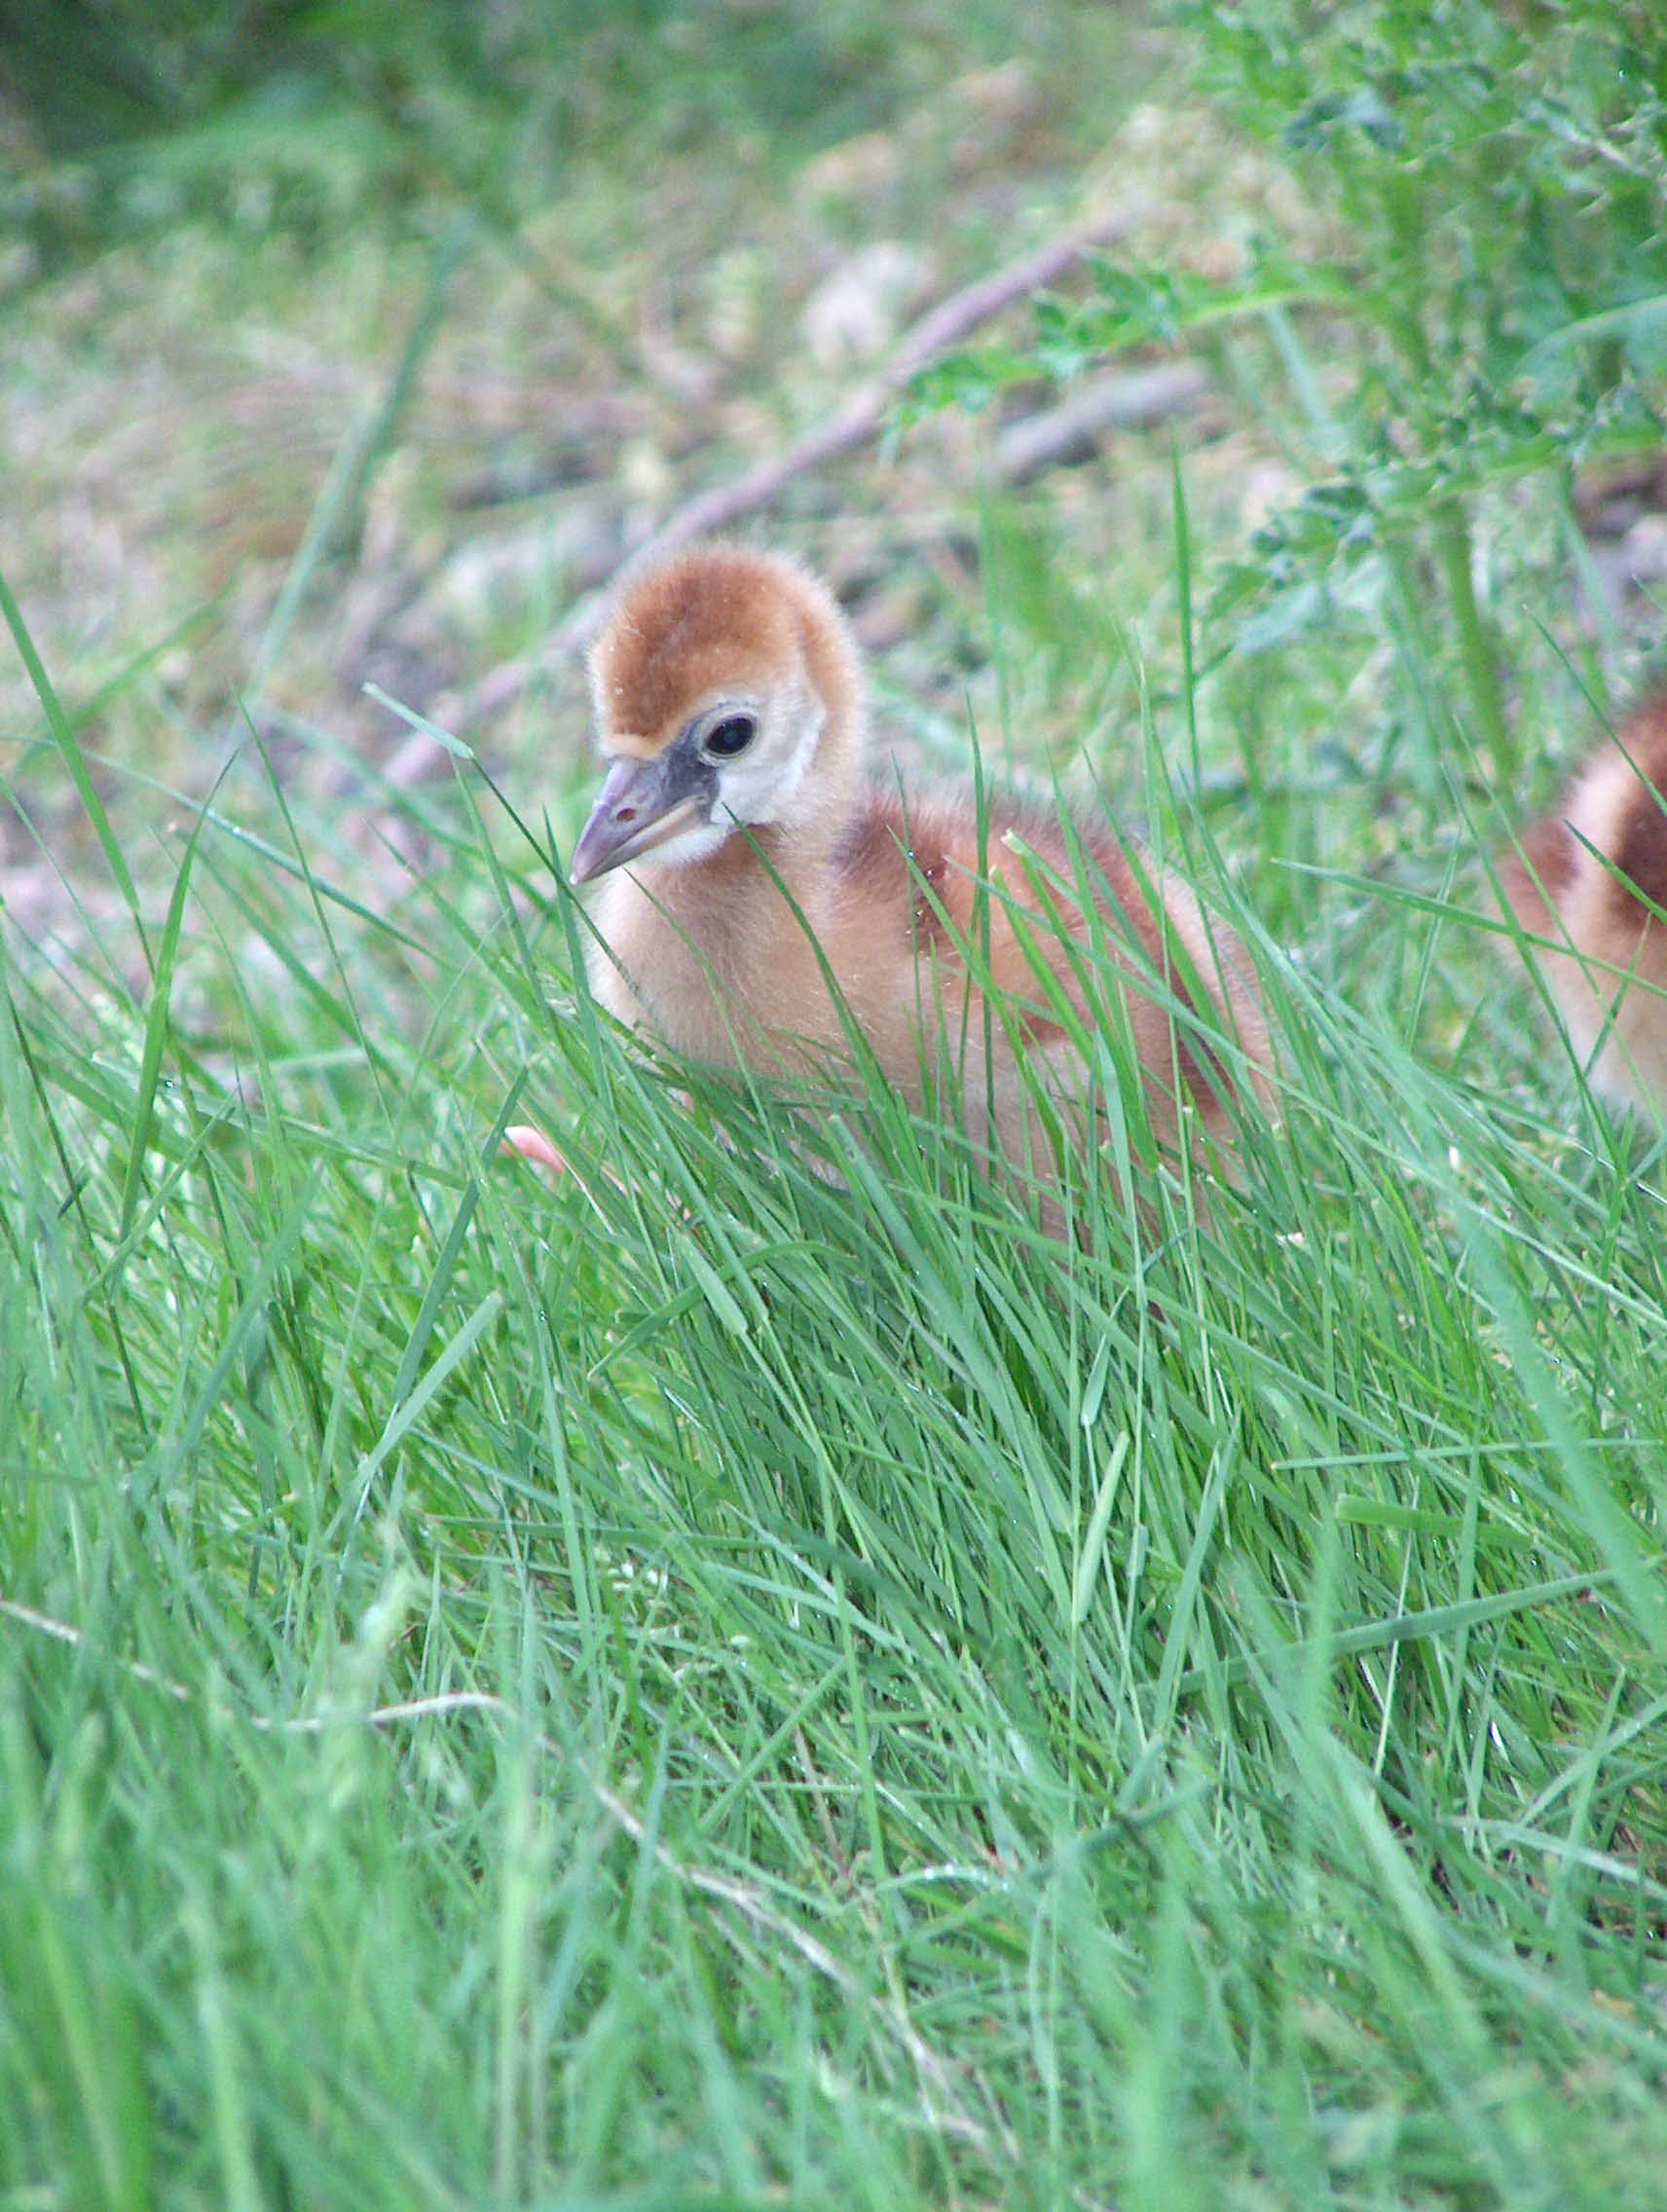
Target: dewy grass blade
point(75, 760)
point(1093, 1537)
point(156, 1033)
point(1421, 1627)
point(410, 1410)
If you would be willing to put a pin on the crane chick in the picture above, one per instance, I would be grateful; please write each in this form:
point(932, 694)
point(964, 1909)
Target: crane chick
point(1590, 882)
point(752, 863)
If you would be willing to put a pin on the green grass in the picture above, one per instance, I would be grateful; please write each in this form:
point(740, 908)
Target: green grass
point(744, 1676)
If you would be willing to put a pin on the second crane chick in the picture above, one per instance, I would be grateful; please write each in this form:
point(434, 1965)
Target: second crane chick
point(1589, 883)
point(751, 859)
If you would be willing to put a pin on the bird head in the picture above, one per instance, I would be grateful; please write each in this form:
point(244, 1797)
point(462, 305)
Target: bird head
point(728, 695)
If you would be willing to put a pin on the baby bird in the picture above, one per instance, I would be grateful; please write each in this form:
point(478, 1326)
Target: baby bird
point(752, 863)
point(1592, 879)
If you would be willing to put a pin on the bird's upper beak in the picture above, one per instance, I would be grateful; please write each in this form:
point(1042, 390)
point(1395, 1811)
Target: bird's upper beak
point(642, 804)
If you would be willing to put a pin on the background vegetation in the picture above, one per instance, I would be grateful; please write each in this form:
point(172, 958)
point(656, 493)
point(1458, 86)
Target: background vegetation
point(699, 1684)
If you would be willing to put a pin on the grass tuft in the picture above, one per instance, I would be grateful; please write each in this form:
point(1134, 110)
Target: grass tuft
point(743, 1671)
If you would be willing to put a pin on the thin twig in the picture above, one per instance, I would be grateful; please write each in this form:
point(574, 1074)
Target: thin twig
point(1073, 429)
point(62, 1632)
point(944, 2108)
point(303, 1724)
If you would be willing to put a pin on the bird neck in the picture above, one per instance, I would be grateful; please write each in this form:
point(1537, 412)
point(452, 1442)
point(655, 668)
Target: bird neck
point(834, 787)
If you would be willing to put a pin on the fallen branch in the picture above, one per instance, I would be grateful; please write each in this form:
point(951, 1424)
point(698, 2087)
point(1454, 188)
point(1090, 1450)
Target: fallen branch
point(1072, 430)
point(851, 426)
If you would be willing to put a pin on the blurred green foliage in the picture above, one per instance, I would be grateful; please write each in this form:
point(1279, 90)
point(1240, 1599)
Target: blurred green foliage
point(1496, 179)
point(116, 118)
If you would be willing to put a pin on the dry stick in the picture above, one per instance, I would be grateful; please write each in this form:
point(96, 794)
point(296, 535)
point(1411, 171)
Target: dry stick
point(1071, 431)
point(852, 425)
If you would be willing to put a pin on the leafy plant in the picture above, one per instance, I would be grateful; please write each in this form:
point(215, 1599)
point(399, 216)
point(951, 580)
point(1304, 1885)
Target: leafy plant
point(1498, 177)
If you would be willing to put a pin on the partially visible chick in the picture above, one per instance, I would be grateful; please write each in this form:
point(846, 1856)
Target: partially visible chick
point(729, 707)
point(1591, 878)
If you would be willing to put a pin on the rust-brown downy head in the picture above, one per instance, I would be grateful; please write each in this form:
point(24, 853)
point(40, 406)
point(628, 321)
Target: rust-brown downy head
point(728, 692)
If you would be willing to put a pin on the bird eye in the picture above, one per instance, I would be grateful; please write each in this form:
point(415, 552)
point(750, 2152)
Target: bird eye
point(733, 735)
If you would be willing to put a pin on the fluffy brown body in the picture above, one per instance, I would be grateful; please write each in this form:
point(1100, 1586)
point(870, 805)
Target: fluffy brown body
point(1587, 881)
point(722, 940)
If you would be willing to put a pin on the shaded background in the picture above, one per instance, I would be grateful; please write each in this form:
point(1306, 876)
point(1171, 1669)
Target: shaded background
point(360, 342)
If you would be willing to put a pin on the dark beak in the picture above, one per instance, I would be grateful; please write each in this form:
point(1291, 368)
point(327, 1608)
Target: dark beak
point(642, 804)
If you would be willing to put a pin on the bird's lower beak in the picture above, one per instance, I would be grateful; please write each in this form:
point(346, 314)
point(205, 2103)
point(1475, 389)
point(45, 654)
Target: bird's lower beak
point(643, 804)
